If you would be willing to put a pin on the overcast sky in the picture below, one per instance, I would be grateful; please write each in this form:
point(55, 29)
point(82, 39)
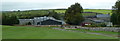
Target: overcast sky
point(8, 5)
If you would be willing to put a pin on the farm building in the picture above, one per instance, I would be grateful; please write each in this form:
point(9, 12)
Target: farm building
point(97, 18)
point(41, 21)
point(105, 17)
point(90, 14)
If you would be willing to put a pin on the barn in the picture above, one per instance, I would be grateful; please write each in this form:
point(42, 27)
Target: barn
point(41, 21)
point(51, 22)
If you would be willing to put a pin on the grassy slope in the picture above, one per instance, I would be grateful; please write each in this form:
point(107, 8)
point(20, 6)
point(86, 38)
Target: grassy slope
point(90, 10)
point(45, 12)
point(98, 11)
point(88, 14)
point(17, 32)
point(28, 13)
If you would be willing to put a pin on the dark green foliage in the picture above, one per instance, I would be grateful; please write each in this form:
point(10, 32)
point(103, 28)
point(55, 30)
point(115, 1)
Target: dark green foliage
point(31, 14)
point(96, 25)
point(54, 14)
point(116, 26)
point(115, 18)
point(9, 19)
point(103, 25)
point(73, 14)
point(28, 23)
point(18, 10)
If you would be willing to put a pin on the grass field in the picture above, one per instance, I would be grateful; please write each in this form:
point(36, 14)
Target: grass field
point(0, 32)
point(39, 13)
point(26, 32)
point(88, 14)
point(89, 10)
point(103, 32)
point(98, 11)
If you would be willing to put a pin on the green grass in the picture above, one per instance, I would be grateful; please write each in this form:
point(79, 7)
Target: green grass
point(88, 14)
point(27, 14)
point(90, 10)
point(60, 11)
point(0, 32)
point(98, 11)
point(24, 32)
point(103, 32)
point(38, 13)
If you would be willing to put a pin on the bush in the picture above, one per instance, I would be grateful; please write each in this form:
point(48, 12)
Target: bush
point(116, 26)
point(96, 25)
point(9, 19)
point(90, 26)
point(103, 25)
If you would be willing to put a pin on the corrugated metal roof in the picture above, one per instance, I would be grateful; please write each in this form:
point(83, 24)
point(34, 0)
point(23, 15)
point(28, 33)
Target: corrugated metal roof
point(103, 15)
point(42, 19)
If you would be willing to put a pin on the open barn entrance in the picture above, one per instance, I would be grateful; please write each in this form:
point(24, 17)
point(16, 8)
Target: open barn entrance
point(29, 23)
point(51, 22)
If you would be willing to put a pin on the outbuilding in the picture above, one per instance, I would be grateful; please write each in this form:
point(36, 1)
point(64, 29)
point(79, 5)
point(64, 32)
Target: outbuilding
point(41, 21)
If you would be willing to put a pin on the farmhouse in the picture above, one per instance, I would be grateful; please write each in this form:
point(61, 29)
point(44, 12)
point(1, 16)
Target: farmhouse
point(97, 18)
point(41, 21)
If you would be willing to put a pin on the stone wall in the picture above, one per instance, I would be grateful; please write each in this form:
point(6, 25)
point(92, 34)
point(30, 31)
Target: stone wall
point(113, 29)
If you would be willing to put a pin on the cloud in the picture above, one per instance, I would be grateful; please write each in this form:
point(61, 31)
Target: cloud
point(45, 4)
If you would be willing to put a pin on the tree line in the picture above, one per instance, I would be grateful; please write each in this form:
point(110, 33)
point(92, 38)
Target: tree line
point(11, 18)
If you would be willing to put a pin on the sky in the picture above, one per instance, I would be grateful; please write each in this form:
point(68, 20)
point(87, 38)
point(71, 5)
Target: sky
point(12, 5)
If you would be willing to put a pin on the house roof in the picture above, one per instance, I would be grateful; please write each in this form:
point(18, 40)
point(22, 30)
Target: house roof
point(92, 12)
point(42, 19)
point(87, 21)
point(102, 15)
point(98, 21)
point(26, 19)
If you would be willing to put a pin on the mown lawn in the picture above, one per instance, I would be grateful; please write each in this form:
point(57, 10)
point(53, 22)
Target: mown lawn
point(0, 32)
point(26, 32)
point(102, 32)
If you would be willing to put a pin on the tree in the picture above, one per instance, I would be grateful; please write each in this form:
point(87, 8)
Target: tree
point(115, 18)
point(9, 19)
point(73, 14)
point(54, 14)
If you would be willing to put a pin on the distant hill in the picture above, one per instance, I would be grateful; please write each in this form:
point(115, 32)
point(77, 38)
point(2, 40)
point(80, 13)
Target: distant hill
point(103, 11)
point(45, 12)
